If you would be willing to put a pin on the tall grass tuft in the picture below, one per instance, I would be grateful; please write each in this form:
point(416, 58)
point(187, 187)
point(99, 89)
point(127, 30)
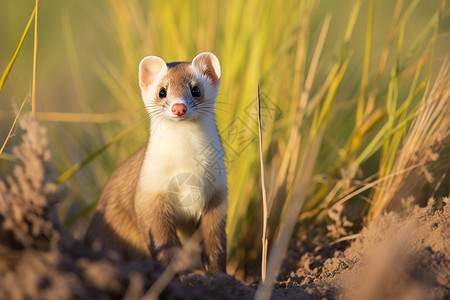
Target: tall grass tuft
point(425, 150)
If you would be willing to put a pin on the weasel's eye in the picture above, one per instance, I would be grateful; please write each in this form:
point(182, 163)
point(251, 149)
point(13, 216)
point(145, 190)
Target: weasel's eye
point(195, 91)
point(162, 93)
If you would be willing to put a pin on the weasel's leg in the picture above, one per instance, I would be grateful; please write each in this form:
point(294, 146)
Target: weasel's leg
point(212, 227)
point(157, 225)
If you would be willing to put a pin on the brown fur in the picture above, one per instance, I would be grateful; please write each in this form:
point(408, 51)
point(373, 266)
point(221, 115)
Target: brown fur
point(212, 228)
point(176, 73)
point(114, 225)
point(136, 232)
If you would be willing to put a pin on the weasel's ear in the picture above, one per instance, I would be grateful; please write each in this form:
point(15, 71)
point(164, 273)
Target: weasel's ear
point(208, 64)
point(149, 69)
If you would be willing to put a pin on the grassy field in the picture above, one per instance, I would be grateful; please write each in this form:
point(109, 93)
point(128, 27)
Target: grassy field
point(352, 105)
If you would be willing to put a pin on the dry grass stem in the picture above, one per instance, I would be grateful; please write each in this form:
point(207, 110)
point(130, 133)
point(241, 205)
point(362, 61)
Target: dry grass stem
point(428, 137)
point(33, 90)
point(181, 262)
point(16, 51)
point(264, 197)
point(289, 220)
point(13, 124)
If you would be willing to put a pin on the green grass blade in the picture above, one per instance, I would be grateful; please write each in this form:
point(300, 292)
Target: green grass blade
point(76, 167)
point(11, 158)
point(16, 51)
point(366, 63)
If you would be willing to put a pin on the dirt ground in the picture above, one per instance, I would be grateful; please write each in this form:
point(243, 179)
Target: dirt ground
point(399, 256)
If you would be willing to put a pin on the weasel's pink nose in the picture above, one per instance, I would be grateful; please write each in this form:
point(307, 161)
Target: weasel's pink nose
point(179, 109)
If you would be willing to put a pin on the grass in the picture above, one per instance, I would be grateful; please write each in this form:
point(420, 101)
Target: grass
point(265, 215)
point(340, 87)
point(35, 44)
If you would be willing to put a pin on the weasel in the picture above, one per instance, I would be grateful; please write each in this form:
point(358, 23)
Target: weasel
point(176, 183)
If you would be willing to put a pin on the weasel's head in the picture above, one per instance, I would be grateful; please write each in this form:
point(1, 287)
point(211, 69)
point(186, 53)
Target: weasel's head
point(180, 90)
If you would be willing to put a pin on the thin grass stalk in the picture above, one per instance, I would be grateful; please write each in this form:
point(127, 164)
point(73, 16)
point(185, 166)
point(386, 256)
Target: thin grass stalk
point(412, 91)
point(391, 106)
point(78, 166)
point(65, 117)
point(73, 61)
point(294, 138)
point(364, 117)
point(391, 145)
point(432, 24)
point(13, 124)
point(180, 262)
point(384, 56)
point(350, 26)
point(330, 95)
point(264, 197)
point(81, 117)
point(366, 63)
point(80, 215)
point(16, 51)
point(370, 185)
point(382, 135)
point(299, 60)
point(11, 158)
point(33, 91)
point(287, 224)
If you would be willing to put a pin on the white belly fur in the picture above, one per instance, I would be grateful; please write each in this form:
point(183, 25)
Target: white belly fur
point(186, 161)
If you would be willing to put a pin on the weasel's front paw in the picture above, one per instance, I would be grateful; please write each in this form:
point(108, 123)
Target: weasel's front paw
point(166, 256)
point(177, 258)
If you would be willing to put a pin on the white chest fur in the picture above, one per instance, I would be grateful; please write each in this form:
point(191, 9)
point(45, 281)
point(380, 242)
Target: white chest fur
point(184, 160)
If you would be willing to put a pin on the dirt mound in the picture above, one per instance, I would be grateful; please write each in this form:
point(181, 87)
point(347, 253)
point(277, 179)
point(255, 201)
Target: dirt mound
point(398, 256)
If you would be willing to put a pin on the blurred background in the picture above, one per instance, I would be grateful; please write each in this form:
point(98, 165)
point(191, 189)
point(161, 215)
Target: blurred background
point(344, 80)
